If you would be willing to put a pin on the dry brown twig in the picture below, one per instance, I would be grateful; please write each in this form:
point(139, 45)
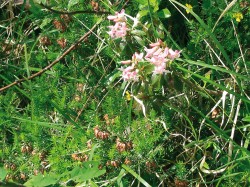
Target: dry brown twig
point(74, 12)
point(71, 48)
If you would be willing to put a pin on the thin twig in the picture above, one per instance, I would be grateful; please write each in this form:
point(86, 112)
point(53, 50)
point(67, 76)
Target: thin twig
point(74, 12)
point(71, 48)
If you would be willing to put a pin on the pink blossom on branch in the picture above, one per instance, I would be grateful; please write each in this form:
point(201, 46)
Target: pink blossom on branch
point(126, 62)
point(137, 57)
point(160, 69)
point(173, 54)
point(158, 43)
point(118, 17)
point(119, 30)
point(129, 73)
point(159, 56)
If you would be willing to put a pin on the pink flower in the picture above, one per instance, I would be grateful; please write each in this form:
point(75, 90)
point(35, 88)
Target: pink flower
point(159, 56)
point(173, 54)
point(126, 61)
point(129, 74)
point(119, 17)
point(150, 52)
point(157, 61)
point(160, 69)
point(158, 43)
point(137, 56)
point(119, 30)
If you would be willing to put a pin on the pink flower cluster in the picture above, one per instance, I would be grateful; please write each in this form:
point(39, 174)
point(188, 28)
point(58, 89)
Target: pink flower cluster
point(159, 56)
point(130, 73)
point(119, 30)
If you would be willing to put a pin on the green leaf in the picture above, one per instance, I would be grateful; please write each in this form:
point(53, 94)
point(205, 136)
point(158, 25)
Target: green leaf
point(112, 77)
point(154, 5)
point(72, 3)
point(247, 118)
point(3, 174)
point(142, 2)
point(142, 13)
point(138, 177)
point(205, 165)
point(138, 32)
point(147, 69)
point(42, 181)
point(164, 13)
point(119, 177)
point(88, 171)
point(217, 68)
point(139, 40)
point(206, 4)
point(156, 82)
point(45, 22)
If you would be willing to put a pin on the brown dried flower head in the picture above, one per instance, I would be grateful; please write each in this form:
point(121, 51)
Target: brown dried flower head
point(65, 17)
point(59, 25)
point(89, 144)
point(45, 41)
point(100, 134)
point(95, 5)
point(127, 161)
point(62, 42)
point(123, 146)
point(113, 163)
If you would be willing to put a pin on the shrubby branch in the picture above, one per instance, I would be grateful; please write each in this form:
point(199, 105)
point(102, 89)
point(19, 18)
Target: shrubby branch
point(71, 48)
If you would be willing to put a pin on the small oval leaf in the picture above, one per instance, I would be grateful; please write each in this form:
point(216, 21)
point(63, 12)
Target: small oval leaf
point(164, 13)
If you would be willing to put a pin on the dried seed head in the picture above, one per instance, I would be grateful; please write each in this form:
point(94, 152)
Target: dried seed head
point(127, 161)
point(180, 183)
point(151, 166)
point(42, 155)
point(62, 42)
point(13, 167)
point(89, 144)
point(77, 98)
point(8, 177)
point(23, 176)
point(59, 25)
point(114, 163)
point(23, 149)
point(45, 41)
point(100, 167)
point(65, 17)
point(36, 172)
point(95, 5)
point(106, 117)
point(121, 146)
point(6, 166)
point(100, 134)
point(129, 145)
point(108, 163)
point(96, 131)
point(83, 158)
point(74, 156)
point(79, 87)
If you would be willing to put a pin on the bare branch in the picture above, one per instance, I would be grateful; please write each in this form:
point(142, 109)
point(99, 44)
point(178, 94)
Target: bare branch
point(74, 12)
